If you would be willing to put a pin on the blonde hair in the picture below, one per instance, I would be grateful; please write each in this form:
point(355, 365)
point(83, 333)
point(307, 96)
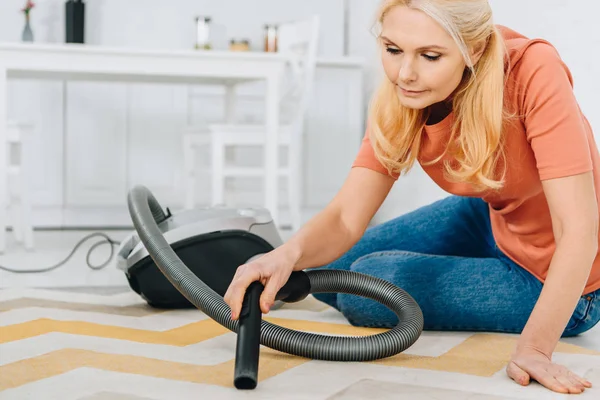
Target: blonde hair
point(478, 102)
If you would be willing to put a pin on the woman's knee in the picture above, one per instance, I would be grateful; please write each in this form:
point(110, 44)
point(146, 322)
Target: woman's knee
point(362, 311)
point(361, 264)
point(390, 265)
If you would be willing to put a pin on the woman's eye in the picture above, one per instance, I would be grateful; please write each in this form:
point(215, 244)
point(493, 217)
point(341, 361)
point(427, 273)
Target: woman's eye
point(395, 51)
point(431, 58)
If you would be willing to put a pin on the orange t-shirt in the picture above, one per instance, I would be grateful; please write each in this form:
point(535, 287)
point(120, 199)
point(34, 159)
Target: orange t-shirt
point(552, 139)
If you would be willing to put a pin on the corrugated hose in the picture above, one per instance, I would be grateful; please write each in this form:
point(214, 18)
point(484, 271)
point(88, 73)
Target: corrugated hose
point(147, 213)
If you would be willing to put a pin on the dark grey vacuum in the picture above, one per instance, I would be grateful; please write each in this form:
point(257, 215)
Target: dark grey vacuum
point(188, 259)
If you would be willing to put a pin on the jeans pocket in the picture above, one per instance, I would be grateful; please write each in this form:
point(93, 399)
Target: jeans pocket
point(586, 314)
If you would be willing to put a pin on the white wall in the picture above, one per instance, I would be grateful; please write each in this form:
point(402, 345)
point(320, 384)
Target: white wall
point(170, 24)
point(569, 25)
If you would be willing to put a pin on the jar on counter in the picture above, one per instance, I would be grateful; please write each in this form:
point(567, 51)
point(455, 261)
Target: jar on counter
point(243, 45)
point(271, 38)
point(203, 33)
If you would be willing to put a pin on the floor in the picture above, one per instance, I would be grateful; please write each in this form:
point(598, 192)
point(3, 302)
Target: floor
point(55, 246)
point(75, 333)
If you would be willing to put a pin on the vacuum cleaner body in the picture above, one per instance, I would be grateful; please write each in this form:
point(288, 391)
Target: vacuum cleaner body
point(212, 242)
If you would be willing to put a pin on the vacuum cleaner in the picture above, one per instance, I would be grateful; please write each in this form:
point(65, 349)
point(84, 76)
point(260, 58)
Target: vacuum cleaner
point(188, 259)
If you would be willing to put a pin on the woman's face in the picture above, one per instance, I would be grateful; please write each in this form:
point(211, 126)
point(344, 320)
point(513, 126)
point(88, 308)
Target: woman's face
point(419, 57)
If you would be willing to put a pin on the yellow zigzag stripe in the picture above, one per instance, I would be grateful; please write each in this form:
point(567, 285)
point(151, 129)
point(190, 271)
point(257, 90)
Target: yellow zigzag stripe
point(208, 329)
point(20, 373)
point(182, 336)
point(480, 354)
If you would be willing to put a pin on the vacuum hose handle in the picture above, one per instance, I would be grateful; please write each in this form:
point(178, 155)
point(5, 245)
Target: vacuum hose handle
point(248, 339)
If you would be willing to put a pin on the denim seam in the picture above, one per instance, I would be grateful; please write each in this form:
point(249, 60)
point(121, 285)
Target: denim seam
point(384, 253)
point(585, 316)
point(411, 254)
point(589, 315)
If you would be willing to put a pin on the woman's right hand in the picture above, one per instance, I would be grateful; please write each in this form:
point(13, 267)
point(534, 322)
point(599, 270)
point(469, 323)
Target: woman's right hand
point(272, 269)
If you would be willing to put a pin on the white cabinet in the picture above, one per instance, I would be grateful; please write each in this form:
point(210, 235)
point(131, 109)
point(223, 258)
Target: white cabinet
point(94, 141)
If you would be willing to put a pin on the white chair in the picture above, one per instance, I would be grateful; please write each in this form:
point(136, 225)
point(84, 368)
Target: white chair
point(17, 197)
point(300, 40)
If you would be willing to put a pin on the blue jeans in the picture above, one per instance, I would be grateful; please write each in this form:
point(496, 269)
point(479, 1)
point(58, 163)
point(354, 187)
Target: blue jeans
point(445, 256)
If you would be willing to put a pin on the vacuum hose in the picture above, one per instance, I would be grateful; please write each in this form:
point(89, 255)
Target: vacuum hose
point(252, 331)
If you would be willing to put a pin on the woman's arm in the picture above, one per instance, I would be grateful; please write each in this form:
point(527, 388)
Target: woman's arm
point(574, 212)
point(338, 227)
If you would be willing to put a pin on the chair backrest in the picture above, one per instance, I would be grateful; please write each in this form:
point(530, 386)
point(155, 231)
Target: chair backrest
point(13, 132)
point(300, 40)
point(14, 140)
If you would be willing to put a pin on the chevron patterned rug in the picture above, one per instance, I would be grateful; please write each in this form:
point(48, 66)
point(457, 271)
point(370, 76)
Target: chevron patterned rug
point(59, 344)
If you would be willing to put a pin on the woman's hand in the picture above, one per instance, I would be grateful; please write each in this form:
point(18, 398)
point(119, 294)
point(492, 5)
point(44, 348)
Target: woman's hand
point(272, 269)
point(530, 363)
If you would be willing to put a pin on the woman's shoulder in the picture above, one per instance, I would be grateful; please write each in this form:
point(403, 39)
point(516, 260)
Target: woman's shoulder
point(534, 68)
point(526, 54)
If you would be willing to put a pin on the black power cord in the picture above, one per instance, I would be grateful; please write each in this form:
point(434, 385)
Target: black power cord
point(107, 240)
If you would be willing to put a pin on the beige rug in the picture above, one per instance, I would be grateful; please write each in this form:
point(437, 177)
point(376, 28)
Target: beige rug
point(73, 345)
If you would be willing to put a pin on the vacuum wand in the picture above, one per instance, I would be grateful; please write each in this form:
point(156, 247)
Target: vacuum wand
point(248, 339)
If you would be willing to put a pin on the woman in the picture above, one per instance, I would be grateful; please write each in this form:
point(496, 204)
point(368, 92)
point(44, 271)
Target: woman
point(491, 117)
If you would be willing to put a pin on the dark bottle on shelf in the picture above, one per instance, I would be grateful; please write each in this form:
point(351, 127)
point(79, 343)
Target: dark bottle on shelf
point(75, 21)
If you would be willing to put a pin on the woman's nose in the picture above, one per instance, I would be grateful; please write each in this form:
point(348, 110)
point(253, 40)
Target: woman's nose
point(407, 72)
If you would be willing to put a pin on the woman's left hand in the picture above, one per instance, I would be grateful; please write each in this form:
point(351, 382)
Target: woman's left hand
point(531, 364)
